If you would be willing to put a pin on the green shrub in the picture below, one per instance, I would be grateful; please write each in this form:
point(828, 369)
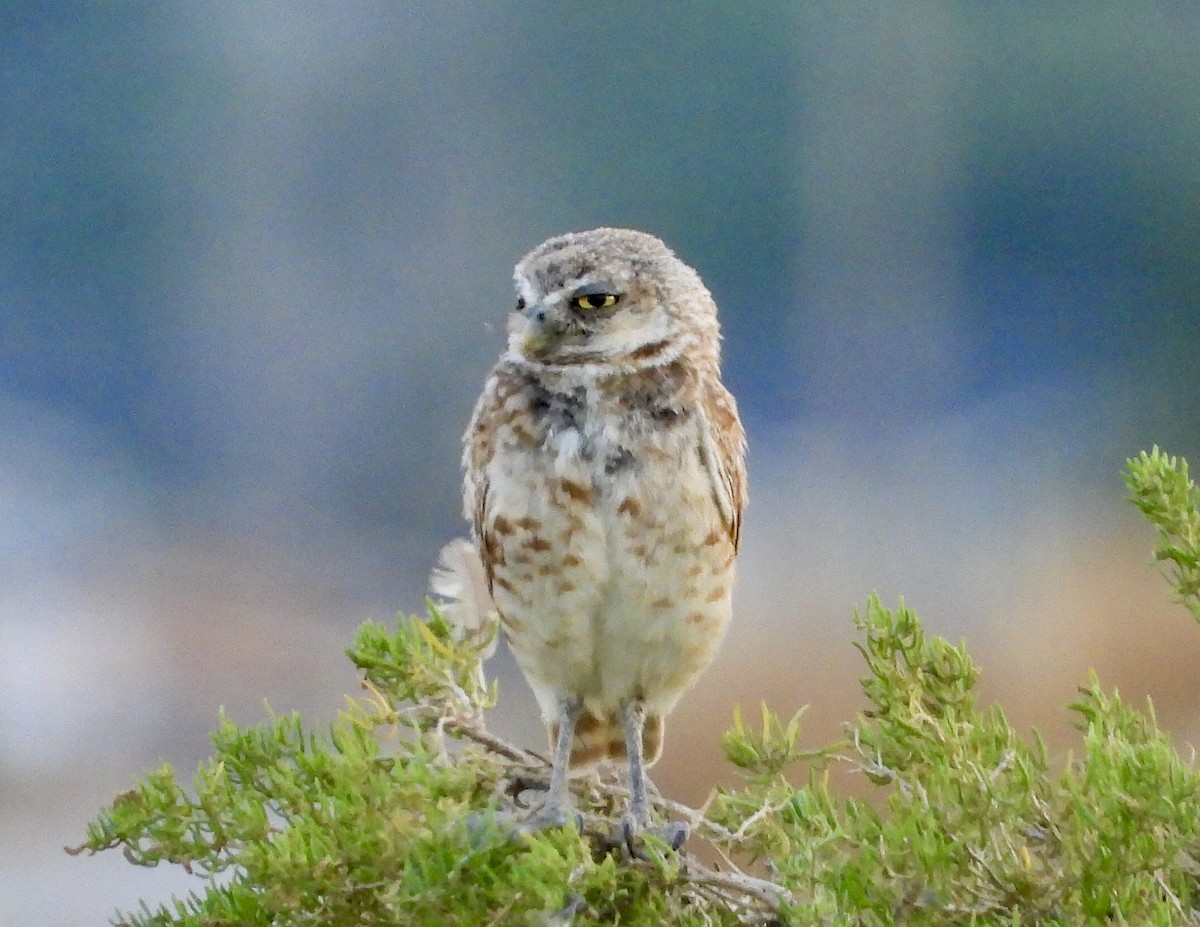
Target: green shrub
point(401, 811)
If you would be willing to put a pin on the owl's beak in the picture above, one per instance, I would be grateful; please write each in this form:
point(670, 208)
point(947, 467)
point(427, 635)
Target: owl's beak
point(542, 335)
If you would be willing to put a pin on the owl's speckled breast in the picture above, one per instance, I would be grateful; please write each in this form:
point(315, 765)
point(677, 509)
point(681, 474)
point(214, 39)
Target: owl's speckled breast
point(613, 572)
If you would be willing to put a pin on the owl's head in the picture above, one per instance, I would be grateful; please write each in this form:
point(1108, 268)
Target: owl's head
point(609, 298)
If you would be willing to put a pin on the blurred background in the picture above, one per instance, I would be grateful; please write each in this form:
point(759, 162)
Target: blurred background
point(255, 260)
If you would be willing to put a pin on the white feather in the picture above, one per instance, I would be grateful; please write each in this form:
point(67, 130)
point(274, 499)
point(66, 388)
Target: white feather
point(461, 582)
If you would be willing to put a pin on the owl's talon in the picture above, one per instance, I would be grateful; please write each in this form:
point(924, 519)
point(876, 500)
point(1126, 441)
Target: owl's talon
point(673, 833)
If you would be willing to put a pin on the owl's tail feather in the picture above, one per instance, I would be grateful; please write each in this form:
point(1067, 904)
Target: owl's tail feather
point(461, 581)
point(600, 737)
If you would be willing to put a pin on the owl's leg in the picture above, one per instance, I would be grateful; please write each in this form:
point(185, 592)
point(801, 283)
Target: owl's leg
point(557, 809)
point(633, 719)
point(637, 817)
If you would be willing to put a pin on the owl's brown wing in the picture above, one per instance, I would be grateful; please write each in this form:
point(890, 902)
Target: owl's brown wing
point(483, 543)
point(723, 451)
point(480, 444)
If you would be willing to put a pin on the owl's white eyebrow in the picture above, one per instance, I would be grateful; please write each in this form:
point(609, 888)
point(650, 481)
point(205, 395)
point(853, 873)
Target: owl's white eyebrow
point(594, 288)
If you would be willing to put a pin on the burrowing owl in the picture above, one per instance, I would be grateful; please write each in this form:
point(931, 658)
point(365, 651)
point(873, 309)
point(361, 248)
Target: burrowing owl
point(605, 483)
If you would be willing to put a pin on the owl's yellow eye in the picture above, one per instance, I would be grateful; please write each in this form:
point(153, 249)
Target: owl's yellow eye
point(594, 300)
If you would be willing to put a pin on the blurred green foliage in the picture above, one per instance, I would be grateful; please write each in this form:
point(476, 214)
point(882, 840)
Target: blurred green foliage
point(1166, 495)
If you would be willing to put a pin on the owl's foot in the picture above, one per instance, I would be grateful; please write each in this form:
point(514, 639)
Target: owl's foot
point(550, 815)
point(636, 821)
point(557, 811)
point(631, 830)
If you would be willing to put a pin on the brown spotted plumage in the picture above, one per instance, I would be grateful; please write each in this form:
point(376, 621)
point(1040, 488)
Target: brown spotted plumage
point(605, 484)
